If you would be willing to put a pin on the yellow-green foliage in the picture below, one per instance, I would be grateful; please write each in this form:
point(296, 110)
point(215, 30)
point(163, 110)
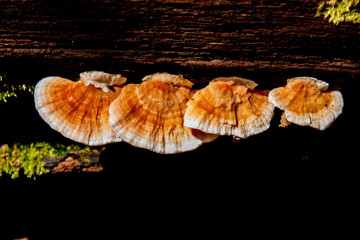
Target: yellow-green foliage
point(29, 157)
point(7, 91)
point(338, 11)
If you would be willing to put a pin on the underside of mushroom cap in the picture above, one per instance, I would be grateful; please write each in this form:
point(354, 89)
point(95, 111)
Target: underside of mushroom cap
point(306, 103)
point(229, 106)
point(150, 115)
point(77, 111)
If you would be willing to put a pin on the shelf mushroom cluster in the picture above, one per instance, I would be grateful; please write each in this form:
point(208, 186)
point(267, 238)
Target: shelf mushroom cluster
point(165, 115)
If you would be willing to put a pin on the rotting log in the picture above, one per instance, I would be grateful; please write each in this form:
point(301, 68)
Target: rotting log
point(268, 41)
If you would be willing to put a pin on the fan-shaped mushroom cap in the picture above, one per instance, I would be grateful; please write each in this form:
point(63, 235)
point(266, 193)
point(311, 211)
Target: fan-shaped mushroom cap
point(305, 103)
point(229, 106)
point(150, 115)
point(77, 110)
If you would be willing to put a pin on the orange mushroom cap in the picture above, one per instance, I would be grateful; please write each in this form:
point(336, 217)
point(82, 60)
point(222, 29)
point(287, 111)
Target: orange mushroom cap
point(229, 106)
point(306, 103)
point(150, 115)
point(79, 110)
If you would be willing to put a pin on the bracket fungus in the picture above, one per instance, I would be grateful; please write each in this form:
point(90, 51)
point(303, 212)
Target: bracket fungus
point(150, 115)
point(80, 110)
point(229, 106)
point(306, 103)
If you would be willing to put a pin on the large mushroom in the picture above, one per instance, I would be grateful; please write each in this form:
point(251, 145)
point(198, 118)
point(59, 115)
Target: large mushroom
point(80, 110)
point(306, 102)
point(150, 115)
point(230, 106)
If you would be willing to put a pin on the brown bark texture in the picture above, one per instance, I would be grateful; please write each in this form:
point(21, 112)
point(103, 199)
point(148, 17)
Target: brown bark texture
point(74, 161)
point(268, 41)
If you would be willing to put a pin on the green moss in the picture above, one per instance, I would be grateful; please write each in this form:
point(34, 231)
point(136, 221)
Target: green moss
point(28, 158)
point(9, 90)
point(338, 11)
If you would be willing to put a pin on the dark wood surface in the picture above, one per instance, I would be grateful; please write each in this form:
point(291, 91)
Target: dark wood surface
point(268, 41)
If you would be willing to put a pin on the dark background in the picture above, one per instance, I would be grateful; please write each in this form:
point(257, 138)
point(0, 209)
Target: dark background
point(266, 41)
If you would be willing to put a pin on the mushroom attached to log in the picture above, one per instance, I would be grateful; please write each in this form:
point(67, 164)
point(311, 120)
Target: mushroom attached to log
point(230, 106)
point(306, 102)
point(80, 110)
point(150, 115)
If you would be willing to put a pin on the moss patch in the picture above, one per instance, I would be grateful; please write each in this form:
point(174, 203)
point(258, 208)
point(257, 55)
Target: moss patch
point(28, 158)
point(338, 11)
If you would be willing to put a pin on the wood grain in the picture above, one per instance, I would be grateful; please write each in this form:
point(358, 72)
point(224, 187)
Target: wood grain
point(268, 41)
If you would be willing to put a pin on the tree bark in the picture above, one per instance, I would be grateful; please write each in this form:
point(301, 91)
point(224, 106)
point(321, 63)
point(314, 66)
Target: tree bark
point(74, 162)
point(267, 41)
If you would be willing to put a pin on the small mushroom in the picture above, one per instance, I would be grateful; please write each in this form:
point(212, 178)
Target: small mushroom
point(150, 115)
point(306, 103)
point(80, 110)
point(229, 106)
